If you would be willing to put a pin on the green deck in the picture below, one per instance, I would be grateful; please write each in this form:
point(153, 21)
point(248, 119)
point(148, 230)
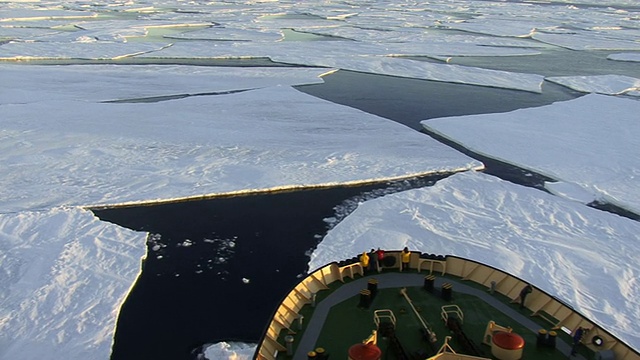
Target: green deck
point(347, 323)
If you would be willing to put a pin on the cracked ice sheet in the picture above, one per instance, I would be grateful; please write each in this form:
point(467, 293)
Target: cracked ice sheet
point(75, 50)
point(356, 57)
point(584, 256)
point(34, 15)
point(603, 84)
point(426, 71)
point(524, 20)
point(118, 82)
point(229, 34)
point(591, 141)
point(64, 277)
point(434, 43)
point(588, 41)
point(83, 153)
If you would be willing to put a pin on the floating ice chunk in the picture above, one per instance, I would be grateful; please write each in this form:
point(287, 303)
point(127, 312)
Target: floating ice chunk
point(425, 70)
point(570, 192)
point(229, 34)
point(21, 33)
point(602, 84)
point(291, 20)
point(358, 57)
point(587, 41)
point(74, 50)
point(497, 26)
point(438, 50)
point(625, 57)
point(230, 350)
point(34, 15)
point(186, 243)
point(586, 141)
point(80, 82)
point(420, 42)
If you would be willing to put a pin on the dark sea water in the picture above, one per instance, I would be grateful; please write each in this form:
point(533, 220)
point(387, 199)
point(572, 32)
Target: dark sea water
point(217, 268)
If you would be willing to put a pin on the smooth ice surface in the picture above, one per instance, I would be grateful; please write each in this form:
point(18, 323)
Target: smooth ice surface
point(625, 57)
point(362, 57)
point(85, 153)
point(603, 84)
point(588, 258)
point(588, 41)
point(64, 275)
point(83, 48)
point(31, 84)
point(591, 141)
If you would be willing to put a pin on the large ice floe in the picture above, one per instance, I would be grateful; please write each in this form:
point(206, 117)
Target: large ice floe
point(591, 141)
point(75, 136)
point(603, 84)
point(96, 153)
point(64, 276)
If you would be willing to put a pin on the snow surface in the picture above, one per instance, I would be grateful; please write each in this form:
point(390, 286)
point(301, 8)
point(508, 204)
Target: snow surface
point(603, 84)
point(592, 141)
point(65, 146)
point(95, 153)
point(64, 276)
point(625, 57)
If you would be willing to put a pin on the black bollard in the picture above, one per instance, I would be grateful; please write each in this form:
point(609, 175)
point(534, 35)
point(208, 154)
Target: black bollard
point(429, 281)
point(372, 286)
point(541, 340)
point(551, 340)
point(447, 291)
point(321, 354)
point(365, 298)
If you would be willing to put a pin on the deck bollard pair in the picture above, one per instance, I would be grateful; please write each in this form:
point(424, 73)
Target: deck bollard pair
point(317, 354)
point(546, 339)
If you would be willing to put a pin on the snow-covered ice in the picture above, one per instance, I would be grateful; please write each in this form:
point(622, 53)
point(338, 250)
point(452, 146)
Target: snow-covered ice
point(94, 153)
point(64, 276)
point(30, 84)
point(591, 141)
point(603, 84)
point(635, 57)
point(64, 146)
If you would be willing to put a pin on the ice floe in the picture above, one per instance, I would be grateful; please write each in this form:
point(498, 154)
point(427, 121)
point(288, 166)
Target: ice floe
point(603, 84)
point(64, 276)
point(83, 153)
point(591, 141)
